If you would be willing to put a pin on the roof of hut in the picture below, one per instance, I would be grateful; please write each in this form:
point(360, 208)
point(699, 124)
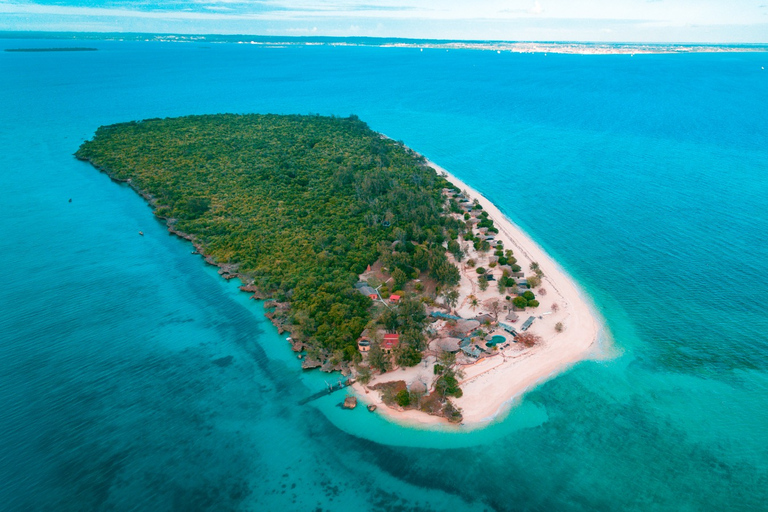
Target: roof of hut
point(448, 344)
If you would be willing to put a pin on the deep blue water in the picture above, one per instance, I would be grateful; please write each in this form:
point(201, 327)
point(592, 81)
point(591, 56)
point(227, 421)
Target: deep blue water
point(645, 176)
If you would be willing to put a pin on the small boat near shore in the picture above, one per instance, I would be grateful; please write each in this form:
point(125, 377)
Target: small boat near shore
point(141, 233)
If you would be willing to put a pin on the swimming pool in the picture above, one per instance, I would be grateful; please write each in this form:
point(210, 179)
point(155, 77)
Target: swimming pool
point(495, 341)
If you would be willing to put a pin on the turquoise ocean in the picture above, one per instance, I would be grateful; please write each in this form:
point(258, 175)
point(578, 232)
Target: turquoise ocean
point(132, 377)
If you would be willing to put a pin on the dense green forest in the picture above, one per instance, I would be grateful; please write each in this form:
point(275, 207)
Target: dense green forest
point(302, 204)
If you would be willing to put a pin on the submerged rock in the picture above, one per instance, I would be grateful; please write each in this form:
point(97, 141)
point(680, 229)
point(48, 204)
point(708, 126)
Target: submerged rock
point(223, 361)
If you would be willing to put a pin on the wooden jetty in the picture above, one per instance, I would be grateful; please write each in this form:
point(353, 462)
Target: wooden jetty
point(332, 388)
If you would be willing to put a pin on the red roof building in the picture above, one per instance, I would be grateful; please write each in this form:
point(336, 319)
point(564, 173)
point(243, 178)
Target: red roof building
point(394, 298)
point(390, 342)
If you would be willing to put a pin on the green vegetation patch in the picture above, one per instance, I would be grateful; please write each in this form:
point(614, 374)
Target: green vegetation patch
point(301, 204)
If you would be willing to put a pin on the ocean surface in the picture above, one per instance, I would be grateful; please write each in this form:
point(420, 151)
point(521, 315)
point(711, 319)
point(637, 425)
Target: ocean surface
point(132, 377)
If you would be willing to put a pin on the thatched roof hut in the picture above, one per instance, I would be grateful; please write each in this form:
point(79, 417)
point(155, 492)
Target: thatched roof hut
point(448, 344)
point(465, 326)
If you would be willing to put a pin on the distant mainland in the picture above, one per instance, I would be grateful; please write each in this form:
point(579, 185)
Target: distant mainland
point(60, 49)
point(566, 47)
point(376, 262)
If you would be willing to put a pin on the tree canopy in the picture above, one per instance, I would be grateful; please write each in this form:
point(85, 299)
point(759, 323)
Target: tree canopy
point(301, 204)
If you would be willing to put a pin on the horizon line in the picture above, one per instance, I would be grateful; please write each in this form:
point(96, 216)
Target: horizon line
point(375, 38)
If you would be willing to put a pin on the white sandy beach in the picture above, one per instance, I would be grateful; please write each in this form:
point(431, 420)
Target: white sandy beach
point(492, 384)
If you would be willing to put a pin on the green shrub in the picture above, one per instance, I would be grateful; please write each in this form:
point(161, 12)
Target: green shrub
point(520, 302)
point(408, 356)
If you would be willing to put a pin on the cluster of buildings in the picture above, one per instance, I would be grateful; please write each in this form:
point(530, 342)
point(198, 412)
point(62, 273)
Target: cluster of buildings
point(373, 294)
point(472, 338)
point(389, 342)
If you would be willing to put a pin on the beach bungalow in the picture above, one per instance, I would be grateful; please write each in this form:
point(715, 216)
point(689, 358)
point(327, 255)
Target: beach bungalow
point(517, 275)
point(364, 341)
point(391, 341)
point(394, 299)
point(482, 318)
point(472, 351)
point(512, 316)
point(446, 316)
point(445, 344)
point(511, 330)
point(365, 289)
point(463, 327)
point(528, 323)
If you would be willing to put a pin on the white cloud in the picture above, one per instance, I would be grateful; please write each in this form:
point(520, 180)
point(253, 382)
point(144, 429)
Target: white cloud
point(482, 19)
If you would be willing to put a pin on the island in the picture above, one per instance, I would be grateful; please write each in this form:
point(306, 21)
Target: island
point(376, 262)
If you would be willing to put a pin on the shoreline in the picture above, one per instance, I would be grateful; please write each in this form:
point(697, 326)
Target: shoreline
point(491, 386)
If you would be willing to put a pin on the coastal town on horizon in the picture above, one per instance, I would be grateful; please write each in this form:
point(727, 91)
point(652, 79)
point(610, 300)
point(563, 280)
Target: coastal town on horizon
point(276, 41)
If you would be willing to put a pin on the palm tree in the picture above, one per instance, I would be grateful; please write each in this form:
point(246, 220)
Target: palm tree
point(473, 303)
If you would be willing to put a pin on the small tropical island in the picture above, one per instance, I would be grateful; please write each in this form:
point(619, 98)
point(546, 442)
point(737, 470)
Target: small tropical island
point(377, 263)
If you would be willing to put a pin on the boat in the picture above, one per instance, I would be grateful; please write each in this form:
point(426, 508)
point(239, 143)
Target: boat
point(141, 233)
point(371, 407)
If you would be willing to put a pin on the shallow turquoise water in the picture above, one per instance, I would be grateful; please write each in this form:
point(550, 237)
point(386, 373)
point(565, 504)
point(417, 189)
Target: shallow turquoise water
point(645, 177)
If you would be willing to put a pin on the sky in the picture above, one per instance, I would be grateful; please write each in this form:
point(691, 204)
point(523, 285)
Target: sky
point(702, 21)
